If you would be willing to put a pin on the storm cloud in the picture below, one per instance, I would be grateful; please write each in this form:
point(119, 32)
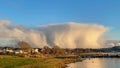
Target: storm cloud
point(67, 35)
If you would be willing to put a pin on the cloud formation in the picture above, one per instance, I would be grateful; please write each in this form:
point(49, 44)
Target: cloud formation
point(68, 35)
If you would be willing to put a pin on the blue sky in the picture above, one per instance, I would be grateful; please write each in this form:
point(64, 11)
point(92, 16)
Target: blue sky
point(34, 12)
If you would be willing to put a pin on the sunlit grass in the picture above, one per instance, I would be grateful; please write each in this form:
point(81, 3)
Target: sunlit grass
point(17, 62)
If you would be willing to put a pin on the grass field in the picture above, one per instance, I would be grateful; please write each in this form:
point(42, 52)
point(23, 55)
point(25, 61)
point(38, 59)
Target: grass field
point(17, 62)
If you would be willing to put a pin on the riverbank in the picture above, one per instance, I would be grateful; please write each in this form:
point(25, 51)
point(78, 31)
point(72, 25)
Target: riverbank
point(100, 55)
point(46, 61)
point(7, 61)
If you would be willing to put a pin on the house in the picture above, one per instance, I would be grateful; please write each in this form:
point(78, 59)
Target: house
point(36, 50)
point(6, 49)
point(18, 51)
point(9, 50)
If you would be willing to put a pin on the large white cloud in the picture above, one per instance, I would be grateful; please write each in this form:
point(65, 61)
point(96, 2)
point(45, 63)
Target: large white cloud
point(69, 35)
point(74, 35)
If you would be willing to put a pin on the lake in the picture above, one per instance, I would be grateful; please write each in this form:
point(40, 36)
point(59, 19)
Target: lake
point(97, 63)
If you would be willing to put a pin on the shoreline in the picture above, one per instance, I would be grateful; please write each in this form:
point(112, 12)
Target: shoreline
point(69, 61)
point(48, 62)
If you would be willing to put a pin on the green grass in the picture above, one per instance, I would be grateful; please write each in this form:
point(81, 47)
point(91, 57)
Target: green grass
point(17, 62)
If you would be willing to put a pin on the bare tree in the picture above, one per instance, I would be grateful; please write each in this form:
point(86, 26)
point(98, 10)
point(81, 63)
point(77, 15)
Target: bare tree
point(57, 50)
point(24, 45)
point(47, 50)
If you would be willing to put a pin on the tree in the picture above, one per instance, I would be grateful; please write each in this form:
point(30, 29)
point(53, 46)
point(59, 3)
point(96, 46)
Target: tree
point(58, 51)
point(46, 50)
point(24, 45)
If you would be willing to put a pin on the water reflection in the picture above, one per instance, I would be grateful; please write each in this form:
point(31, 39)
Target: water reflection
point(97, 63)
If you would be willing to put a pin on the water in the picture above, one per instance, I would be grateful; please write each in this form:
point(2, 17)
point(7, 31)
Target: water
point(97, 63)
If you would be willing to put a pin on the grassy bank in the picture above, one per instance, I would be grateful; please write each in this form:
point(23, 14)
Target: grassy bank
point(17, 62)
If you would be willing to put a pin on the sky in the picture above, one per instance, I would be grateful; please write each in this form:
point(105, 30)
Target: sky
point(41, 12)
